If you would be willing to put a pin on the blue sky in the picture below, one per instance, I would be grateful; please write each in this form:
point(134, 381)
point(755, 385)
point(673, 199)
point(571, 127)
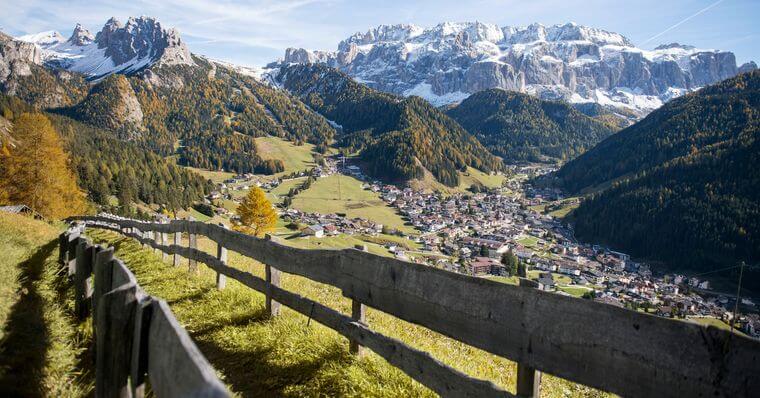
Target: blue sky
point(256, 32)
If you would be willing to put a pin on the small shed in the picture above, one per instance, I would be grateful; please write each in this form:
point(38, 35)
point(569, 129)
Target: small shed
point(22, 209)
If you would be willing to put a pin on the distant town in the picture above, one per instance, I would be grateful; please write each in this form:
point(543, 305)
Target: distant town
point(471, 233)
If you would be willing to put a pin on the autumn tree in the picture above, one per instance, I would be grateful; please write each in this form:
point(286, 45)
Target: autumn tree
point(37, 171)
point(257, 216)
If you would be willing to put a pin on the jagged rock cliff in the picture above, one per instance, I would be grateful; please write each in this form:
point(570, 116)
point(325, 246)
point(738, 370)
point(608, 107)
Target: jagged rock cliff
point(450, 61)
point(118, 48)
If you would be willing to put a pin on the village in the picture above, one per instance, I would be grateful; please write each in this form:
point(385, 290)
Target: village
point(472, 233)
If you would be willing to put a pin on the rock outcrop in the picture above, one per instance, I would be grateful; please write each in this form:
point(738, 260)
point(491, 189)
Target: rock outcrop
point(449, 61)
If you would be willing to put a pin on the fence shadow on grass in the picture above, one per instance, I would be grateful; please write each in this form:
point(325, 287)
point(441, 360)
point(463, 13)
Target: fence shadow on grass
point(24, 348)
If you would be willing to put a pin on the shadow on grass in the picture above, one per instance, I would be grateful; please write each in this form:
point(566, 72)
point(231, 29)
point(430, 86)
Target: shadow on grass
point(259, 371)
point(24, 348)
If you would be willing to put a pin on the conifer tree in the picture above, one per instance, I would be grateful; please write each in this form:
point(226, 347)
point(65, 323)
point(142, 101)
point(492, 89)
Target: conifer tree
point(37, 171)
point(257, 216)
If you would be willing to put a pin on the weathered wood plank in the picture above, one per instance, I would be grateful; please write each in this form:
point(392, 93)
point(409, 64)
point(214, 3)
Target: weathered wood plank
point(114, 337)
point(176, 367)
point(164, 242)
point(528, 382)
point(358, 311)
point(102, 271)
point(71, 253)
point(221, 255)
point(82, 292)
point(121, 275)
point(139, 360)
point(634, 354)
point(177, 242)
point(272, 276)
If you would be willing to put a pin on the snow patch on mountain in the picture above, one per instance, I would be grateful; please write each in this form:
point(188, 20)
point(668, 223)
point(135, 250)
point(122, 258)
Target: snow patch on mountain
point(425, 91)
point(117, 48)
point(447, 62)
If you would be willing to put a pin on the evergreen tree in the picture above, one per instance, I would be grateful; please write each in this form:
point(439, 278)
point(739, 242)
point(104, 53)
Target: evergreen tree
point(257, 216)
point(36, 170)
point(510, 261)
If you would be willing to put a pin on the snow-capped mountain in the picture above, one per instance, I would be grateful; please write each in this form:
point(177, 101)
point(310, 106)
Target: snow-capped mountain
point(448, 62)
point(118, 48)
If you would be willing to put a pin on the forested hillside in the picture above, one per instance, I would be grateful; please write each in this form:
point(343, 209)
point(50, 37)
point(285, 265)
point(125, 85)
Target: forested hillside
point(106, 166)
point(520, 127)
point(688, 187)
point(398, 139)
point(209, 114)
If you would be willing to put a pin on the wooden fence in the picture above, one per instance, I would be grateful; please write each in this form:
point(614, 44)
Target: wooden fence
point(137, 338)
point(613, 349)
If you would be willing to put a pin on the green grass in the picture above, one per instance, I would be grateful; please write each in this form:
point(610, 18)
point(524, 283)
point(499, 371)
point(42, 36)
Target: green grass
point(217, 177)
point(510, 280)
point(343, 194)
point(295, 157)
point(576, 291)
point(709, 321)
point(198, 215)
point(278, 193)
point(475, 176)
point(527, 241)
point(43, 350)
point(258, 356)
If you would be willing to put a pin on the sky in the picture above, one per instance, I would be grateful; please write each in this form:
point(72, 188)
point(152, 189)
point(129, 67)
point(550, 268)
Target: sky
point(256, 32)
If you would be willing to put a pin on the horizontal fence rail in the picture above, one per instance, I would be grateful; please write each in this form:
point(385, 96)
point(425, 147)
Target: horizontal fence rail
point(137, 338)
point(625, 352)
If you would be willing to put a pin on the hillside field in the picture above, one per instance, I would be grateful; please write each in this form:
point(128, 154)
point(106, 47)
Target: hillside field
point(344, 194)
point(295, 157)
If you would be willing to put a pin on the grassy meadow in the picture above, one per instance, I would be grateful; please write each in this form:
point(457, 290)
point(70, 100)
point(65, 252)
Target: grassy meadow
point(289, 356)
point(44, 351)
point(344, 194)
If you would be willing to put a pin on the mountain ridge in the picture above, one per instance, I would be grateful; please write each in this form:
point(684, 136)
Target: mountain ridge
point(519, 127)
point(399, 138)
point(449, 61)
point(680, 186)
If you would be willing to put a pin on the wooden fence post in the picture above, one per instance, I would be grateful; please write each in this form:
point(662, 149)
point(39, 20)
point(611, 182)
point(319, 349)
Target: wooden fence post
point(358, 311)
point(164, 242)
point(177, 242)
point(82, 284)
point(357, 314)
point(192, 241)
point(102, 278)
point(273, 279)
point(71, 253)
point(63, 240)
point(114, 341)
point(221, 255)
point(139, 365)
point(528, 378)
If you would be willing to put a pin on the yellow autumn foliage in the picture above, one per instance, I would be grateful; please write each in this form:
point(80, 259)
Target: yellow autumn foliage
point(36, 172)
point(257, 216)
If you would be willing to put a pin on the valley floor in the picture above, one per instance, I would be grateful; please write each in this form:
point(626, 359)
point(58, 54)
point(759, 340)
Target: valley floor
point(43, 350)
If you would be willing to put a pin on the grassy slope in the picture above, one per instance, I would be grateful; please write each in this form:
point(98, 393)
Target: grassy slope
point(42, 350)
point(295, 157)
point(216, 177)
point(322, 197)
point(257, 356)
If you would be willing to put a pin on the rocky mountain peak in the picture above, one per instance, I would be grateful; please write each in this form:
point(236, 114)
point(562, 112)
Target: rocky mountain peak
point(81, 36)
point(127, 48)
point(451, 60)
point(748, 67)
point(674, 45)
